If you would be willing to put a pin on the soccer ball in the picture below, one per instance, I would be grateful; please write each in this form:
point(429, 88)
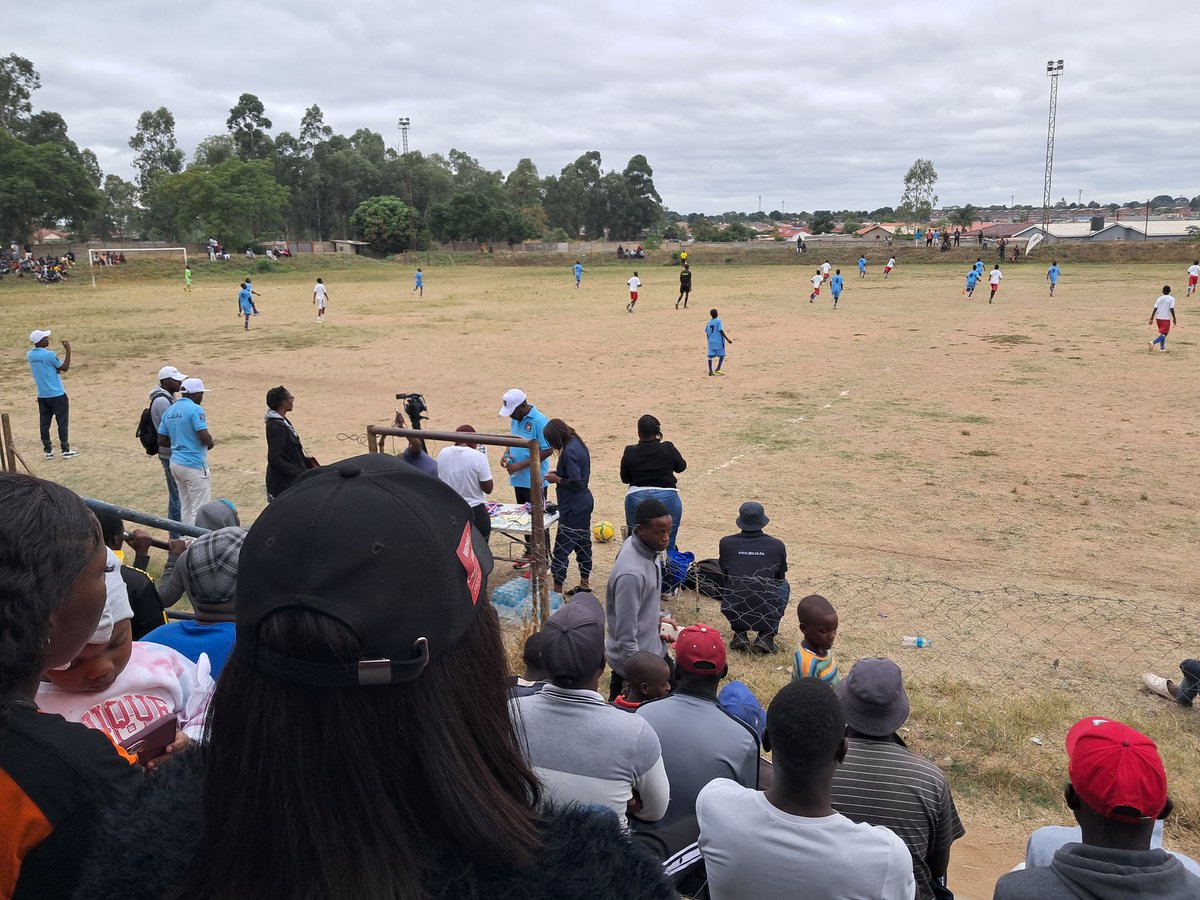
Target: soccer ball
point(603, 532)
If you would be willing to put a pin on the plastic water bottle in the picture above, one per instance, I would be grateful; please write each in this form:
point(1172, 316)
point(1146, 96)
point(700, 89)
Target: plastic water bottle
point(916, 641)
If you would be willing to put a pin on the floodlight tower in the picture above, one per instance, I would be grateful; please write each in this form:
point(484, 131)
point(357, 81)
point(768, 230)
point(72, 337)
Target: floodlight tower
point(403, 124)
point(1053, 70)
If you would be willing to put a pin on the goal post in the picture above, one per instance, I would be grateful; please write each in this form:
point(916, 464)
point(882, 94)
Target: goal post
point(98, 256)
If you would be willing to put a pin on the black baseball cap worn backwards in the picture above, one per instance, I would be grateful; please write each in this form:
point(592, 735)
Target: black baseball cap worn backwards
point(384, 549)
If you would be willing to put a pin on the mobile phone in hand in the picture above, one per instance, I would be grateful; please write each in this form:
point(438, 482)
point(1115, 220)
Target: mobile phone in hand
point(150, 743)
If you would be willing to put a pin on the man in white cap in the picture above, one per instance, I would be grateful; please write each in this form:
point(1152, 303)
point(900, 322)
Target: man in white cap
point(47, 371)
point(170, 379)
point(184, 430)
point(528, 423)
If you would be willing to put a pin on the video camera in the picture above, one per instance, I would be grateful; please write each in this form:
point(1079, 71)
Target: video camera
point(414, 406)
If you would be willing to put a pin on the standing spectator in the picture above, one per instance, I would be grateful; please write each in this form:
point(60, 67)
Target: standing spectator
point(391, 664)
point(320, 298)
point(790, 841)
point(52, 400)
point(700, 743)
point(583, 750)
point(882, 782)
point(575, 505)
point(756, 593)
point(649, 468)
point(184, 429)
point(1162, 316)
point(466, 469)
point(58, 776)
point(170, 379)
point(528, 423)
point(685, 286)
point(957, 236)
point(715, 334)
point(633, 595)
point(1117, 791)
point(285, 454)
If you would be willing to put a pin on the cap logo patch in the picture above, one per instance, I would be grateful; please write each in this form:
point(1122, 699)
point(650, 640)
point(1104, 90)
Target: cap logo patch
point(470, 562)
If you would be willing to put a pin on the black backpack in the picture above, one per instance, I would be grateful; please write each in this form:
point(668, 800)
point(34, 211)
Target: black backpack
point(146, 433)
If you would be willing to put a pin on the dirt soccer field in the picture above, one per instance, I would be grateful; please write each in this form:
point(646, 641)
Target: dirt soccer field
point(908, 438)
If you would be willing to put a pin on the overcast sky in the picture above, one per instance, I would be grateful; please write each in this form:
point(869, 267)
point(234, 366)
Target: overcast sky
point(808, 104)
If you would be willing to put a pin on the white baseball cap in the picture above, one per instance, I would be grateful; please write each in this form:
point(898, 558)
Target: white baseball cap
point(512, 399)
point(193, 386)
point(171, 372)
point(37, 334)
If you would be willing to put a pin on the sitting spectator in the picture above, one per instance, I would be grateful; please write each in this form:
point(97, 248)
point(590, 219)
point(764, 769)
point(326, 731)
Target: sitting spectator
point(789, 841)
point(173, 583)
point(882, 782)
point(755, 594)
point(1184, 693)
point(818, 630)
point(1044, 842)
point(700, 743)
point(1117, 790)
point(143, 595)
point(583, 750)
point(367, 687)
point(649, 468)
point(208, 571)
point(123, 687)
point(465, 469)
point(535, 677)
point(57, 776)
point(648, 678)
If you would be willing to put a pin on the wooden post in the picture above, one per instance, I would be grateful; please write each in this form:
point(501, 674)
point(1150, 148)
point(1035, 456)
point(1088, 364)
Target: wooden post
point(537, 537)
point(372, 440)
point(10, 454)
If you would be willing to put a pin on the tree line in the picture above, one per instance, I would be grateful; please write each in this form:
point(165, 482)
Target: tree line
point(251, 183)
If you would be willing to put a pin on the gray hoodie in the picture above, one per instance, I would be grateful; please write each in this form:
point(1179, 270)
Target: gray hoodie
point(1085, 872)
point(632, 599)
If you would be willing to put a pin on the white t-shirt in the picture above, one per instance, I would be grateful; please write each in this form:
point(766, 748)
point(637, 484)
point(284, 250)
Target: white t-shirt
point(463, 469)
point(1194, 270)
point(1163, 306)
point(891, 263)
point(816, 280)
point(319, 294)
point(825, 267)
point(753, 851)
point(994, 276)
point(634, 284)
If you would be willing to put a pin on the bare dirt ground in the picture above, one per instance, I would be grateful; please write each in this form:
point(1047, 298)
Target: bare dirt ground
point(1031, 443)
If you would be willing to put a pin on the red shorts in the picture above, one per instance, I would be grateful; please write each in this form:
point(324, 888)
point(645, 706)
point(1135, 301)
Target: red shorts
point(825, 277)
point(817, 290)
point(886, 269)
point(633, 295)
point(1164, 326)
point(995, 287)
point(1192, 279)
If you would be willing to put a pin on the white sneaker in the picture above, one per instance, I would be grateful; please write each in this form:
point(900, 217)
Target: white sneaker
point(50, 455)
point(1156, 684)
point(67, 454)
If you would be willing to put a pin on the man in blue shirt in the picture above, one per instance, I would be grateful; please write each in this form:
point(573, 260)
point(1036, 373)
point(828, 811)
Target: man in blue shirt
point(717, 338)
point(184, 429)
point(578, 273)
point(972, 280)
point(419, 284)
point(836, 283)
point(528, 422)
point(862, 266)
point(1052, 275)
point(52, 400)
point(246, 303)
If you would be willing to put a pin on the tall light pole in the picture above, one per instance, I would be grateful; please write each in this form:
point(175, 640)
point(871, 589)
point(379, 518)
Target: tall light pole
point(402, 124)
point(1053, 70)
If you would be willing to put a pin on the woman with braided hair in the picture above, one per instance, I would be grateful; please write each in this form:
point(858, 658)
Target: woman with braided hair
point(54, 775)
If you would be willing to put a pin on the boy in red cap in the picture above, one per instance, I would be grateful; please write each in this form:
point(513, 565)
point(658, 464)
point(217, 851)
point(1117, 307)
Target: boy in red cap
point(1117, 790)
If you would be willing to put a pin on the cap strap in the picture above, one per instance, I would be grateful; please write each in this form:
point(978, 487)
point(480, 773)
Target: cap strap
point(365, 672)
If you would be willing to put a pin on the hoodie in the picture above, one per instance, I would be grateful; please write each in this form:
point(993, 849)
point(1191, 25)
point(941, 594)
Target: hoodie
point(1085, 872)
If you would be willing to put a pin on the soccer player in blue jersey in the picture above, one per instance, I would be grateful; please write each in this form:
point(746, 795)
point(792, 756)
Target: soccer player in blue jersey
point(245, 304)
point(1052, 275)
point(717, 338)
point(972, 280)
point(419, 284)
point(578, 269)
point(836, 283)
point(862, 266)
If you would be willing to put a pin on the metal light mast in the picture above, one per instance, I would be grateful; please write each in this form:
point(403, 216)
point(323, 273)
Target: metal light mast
point(402, 124)
point(1053, 70)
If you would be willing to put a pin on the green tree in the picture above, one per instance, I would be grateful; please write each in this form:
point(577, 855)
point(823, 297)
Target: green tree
point(477, 217)
point(569, 196)
point(851, 225)
point(313, 129)
point(965, 216)
point(41, 185)
point(120, 215)
point(525, 192)
point(18, 80)
point(155, 149)
point(918, 200)
point(238, 200)
point(249, 124)
point(821, 222)
point(214, 150)
point(386, 223)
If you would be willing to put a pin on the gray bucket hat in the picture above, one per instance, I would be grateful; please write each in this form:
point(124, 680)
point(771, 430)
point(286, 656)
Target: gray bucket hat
point(874, 698)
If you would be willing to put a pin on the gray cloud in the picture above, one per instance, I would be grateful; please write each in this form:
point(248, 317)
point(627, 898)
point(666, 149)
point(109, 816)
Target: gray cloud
point(814, 104)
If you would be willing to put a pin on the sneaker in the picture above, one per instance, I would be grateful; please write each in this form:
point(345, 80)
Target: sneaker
point(1151, 347)
point(256, 312)
point(677, 304)
point(50, 455)
point(764, 643)
point(628, 307)
point(718, 372)
point(67, 454)
point(739, 642)
point(710, 375)
point(1156, 684)
point(1162, 349)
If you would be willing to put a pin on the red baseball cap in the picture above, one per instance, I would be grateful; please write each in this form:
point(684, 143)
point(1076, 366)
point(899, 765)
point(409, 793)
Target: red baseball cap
point(700, 649)
point(1116, 770)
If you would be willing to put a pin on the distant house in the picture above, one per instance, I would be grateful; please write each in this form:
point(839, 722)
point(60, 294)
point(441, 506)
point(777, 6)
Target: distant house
point(1129, 230)
point(355, 247)
point(875, 233)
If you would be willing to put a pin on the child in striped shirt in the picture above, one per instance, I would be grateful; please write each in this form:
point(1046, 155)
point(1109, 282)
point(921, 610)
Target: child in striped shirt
point(818, 625)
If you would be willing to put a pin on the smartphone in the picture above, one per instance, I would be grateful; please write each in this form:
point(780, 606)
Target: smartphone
point(150, 743)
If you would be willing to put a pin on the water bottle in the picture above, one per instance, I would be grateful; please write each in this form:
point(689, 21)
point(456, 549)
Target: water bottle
point(916, 641)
